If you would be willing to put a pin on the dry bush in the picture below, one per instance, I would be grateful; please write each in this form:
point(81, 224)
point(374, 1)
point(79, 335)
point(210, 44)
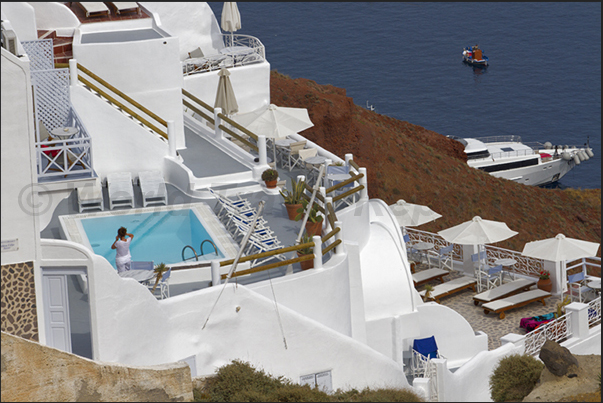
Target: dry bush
point(514, 377)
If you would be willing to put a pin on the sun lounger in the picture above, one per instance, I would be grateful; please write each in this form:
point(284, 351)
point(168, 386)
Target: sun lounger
point(121, 192)
point(94, 8)
point(426, 276)
point(450, 287)
point(125, 7)
point(90, 197)
point(504, 291)
point(515, 301)
point(152, 187)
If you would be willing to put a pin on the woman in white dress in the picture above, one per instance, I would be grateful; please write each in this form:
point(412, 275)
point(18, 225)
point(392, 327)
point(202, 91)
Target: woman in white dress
point(122, 244)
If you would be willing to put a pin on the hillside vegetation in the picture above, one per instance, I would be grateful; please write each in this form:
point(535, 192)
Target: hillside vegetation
point(406, 161)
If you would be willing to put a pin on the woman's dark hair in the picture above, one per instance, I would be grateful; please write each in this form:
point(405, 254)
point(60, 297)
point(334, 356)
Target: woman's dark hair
point(121, 232)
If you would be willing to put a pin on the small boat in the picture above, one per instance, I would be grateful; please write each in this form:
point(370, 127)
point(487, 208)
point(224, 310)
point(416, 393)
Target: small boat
point(533, 164)
point(473, 55)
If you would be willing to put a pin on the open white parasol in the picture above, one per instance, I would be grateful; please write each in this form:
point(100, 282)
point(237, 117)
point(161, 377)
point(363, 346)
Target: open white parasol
point(411, 215)
point(560, 249)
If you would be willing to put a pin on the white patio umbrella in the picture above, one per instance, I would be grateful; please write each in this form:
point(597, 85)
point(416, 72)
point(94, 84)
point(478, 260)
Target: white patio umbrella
point(230, 19)
point(275, 122)
point(411, 215)
point(478, 232)
point(560, 249)
point(225, 97)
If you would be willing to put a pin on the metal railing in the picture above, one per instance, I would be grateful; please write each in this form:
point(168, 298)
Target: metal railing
point(239, 50)
point(594, 312)
point(557, 330)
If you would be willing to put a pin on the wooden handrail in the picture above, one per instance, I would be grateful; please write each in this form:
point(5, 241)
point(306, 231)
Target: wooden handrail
point(352, 163)
point(198, 111)
point(197, 100)
point(309, 189)
point(329, 235)
point(241, 139)
point(344, 183)
point(238, 126)
point(122, 106)
point(269, 253)
point(333, 245)
point(270, 266)
point(121, 94)
point(331, 215)
point(318, 206)
point(349, 192)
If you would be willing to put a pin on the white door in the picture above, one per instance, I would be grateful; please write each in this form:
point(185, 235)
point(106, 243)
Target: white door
point(57, 312)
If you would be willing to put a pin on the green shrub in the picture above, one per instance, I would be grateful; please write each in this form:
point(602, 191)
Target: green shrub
point(514, 377)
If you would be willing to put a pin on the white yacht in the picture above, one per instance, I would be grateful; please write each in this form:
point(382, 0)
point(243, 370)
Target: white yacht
point(531, 164)
point(104, 108)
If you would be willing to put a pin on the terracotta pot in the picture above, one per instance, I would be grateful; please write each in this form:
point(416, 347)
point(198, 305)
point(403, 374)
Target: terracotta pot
point(271, 184)
point(545, 285)
point(292, 210)
point(306, 264)
point(314, 228)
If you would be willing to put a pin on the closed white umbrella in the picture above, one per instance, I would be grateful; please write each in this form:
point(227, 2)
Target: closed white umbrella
point(225, 97)
point(560, 249)
point(230, 19)
point(275, 122)
point(411, 215)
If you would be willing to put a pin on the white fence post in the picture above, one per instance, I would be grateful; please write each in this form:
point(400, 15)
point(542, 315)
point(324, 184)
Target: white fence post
point(578, 314)
point(317, 252)
point(73, 72)
point(262, 150)
point(215, 273)
point(171, 132)
point(339, 236)
point(363, 181)
point(218, 122)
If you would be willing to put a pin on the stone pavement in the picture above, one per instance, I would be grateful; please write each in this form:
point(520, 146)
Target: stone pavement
point(495, 328)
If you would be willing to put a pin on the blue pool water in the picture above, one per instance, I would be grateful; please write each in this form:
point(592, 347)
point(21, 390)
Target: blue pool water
point(158, 236)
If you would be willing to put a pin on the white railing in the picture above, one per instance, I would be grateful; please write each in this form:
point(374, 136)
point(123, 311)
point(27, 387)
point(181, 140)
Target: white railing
point(525, 265)
point(556, 330)
point(585, 263)
point(240, 50)
point(594, 312)
point(416, 235)
point(423, 367)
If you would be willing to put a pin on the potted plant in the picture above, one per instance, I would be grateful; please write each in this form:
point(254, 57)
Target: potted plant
point(270, 177)
point(314, 223)
point(306, 264)
point(293, 197)
point(428, 290)
point(545, 283)
point(159, 270)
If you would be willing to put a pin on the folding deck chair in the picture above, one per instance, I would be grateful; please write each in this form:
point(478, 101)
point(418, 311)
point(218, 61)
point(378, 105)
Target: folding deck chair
point(490, 278)
point(121, 7)
point(516, 301)
point(576, 286)
point(163, 285)
point(423, 350)
point(292, 157)
point(90, 196)
point(121, 192)
point(504, 291)
point(442, 257)
point(450, 287)
point(94, 8)
point(428, 275)
point(152, 187)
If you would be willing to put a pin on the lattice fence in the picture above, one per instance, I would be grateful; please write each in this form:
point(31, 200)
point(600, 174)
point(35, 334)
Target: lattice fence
point(51, 97)
point(40, 53)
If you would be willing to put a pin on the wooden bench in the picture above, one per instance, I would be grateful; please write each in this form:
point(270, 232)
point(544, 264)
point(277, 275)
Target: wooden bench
point(450, 287)
point(515, 301)
point(504, 291)
point(426, 276)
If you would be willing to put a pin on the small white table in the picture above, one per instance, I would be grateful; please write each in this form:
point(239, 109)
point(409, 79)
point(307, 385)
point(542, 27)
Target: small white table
point(316, 160)
point(595, 285)
point(64, 133)
point(423, 247)
point(141, 276)
point(507, 262)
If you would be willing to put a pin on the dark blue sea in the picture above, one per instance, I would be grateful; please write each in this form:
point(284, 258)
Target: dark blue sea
point(543, 82)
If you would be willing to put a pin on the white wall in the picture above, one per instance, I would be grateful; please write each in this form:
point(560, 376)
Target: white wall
point(19, 203)
point(193, 22)
point(55, 16)
point(22, 19)
point(149, 71)
point(118, 144)
point(251, 86)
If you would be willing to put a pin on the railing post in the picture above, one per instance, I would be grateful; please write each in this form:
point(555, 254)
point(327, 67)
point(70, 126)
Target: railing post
point(73, 72)
point(578, 318)
point(328, 162)
point(171, 132)
point(262, 150)
point(339, 236)
point(217, 122)
point(347, 158)
point(317, 252)
point(215, 273)
point(364, 182)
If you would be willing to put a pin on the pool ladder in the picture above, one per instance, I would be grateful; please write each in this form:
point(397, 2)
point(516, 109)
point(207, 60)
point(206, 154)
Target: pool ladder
point(200, 250)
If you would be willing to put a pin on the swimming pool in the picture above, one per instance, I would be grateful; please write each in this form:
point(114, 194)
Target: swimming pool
point(160, 234)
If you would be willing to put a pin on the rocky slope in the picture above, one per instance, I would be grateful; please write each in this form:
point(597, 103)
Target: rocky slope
point(406, 161)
